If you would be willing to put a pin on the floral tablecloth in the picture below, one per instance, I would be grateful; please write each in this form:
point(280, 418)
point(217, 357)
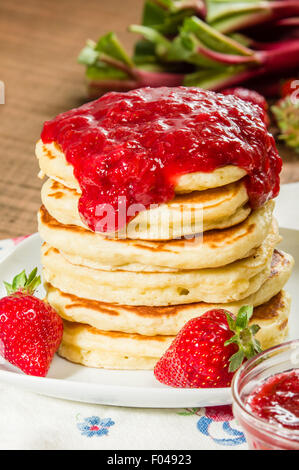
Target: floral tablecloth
point(29, 421)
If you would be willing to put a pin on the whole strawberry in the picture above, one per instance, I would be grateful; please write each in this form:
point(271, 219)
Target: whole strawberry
point(208, 350)
point(30, 329)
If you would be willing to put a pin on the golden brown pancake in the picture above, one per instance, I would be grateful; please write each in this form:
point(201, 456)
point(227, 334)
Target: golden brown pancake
point(160, 320)
point(214, 248)
point(86, 345)
point(223, 284)
point(185, 215)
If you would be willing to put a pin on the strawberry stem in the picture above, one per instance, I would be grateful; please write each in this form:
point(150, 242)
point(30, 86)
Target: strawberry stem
point(24, 284)
point(243, 336)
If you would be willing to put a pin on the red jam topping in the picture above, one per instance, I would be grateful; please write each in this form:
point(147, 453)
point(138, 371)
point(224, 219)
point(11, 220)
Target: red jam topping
point(132, 147)
point(277, 400)
point(250, 96)
point(247, 95)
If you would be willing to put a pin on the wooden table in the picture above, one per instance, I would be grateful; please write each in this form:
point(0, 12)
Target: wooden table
point(39, 43)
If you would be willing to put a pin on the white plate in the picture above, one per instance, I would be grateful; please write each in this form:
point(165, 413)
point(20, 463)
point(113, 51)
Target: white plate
point(121, 388)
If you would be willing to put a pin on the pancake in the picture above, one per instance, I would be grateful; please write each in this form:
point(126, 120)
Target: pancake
point(86, 345)
point(52, 163)
point(185, 215)
point(215, 248)
point(160, 320)
point(224, 284)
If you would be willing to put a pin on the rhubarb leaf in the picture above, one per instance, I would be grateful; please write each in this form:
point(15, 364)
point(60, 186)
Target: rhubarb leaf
point(110, 45)
point(217, 11)
point(212, 38)
point(196, 53)
point(88, 56)
point(214, 79)
point(239, 21)
point(145, 52)
point(103, 71)
point(153, 14)
point(162, 44)
point(167, 16)
point(150, 34)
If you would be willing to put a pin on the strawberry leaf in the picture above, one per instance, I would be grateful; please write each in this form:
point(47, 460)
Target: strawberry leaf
point(19, 281)
point(243, 337)
point(248, 309)
point(22, 283)
point(231, 322)
point(243, 317)
point(254, 329)
point(8, 287)
point(32, 275)
point(236, 361)
point(233, 339)
point(241, 321)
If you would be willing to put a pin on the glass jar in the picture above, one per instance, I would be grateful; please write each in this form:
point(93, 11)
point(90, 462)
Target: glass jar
point(261, 434)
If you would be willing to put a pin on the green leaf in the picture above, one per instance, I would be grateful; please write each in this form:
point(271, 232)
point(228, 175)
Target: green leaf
point(248, 309)
point(257, 346)
point(220, 10)
point(181, 50)
point(231, 321)
point(169, 4)
point(110, 45)
point(233, 339)
point(8, 287)
point(212, 79)
point(162, 44)
point(150, 34)
point(185, 48)
point(33, 284)
point(254, 329)
point(248, 346)
point(32, 275)
point(242, 317)
point(19, 281)
point(153, 14)
point(241, 39)
point(23, 283)
point(238, 21)
point(103, 71)
point(88, 56)
point(212, 38)
point(236, 361)
point(145, 52)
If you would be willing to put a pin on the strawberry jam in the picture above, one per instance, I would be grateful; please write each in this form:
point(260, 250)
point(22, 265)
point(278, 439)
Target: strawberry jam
point(277, 400)
point(130, 148)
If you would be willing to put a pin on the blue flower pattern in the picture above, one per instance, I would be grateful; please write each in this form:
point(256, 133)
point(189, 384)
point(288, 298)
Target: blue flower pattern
point(95, 426)
point(223, 416)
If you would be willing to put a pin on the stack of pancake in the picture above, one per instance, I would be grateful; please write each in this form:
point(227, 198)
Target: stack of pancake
point(124, 298)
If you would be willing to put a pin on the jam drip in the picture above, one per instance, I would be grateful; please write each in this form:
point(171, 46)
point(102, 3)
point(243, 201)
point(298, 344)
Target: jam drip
point(131, 148)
